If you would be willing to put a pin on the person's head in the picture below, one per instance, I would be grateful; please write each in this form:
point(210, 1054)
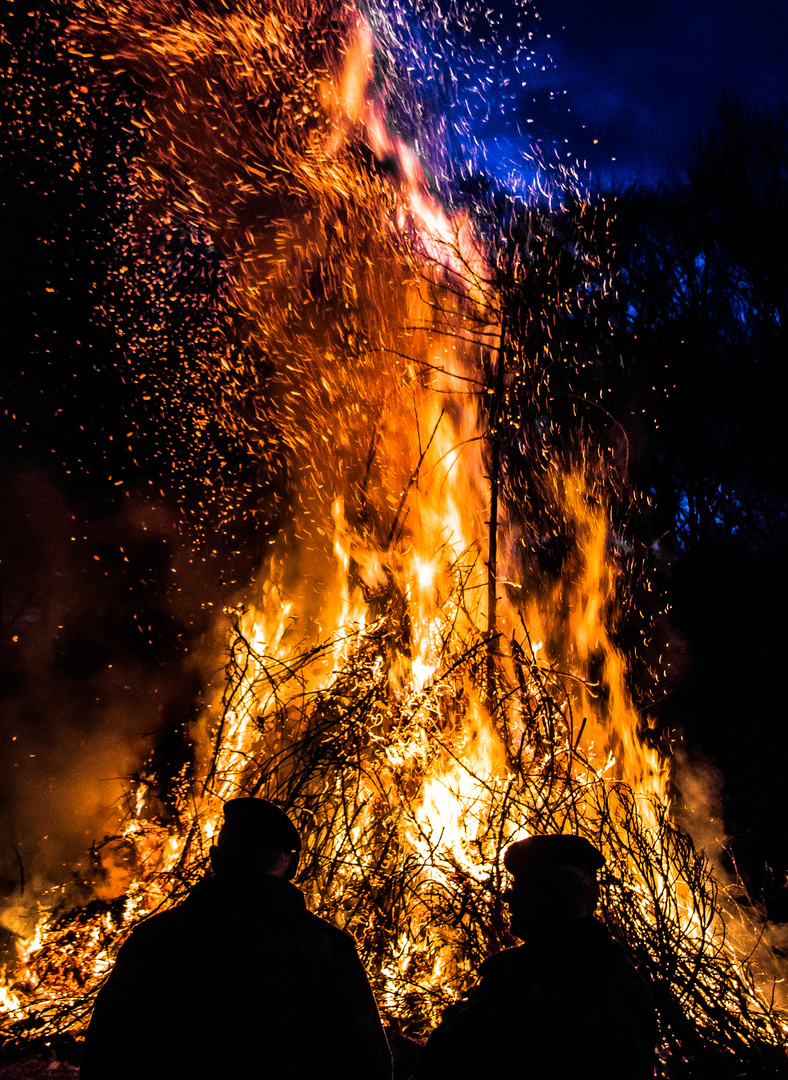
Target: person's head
point(553, 882)
point(256, 838)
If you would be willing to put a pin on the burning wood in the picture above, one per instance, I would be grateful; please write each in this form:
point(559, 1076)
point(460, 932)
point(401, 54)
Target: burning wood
point(390, 685)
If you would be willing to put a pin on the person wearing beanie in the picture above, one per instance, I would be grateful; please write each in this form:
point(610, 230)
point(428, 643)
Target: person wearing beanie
point(239, 980)
point(564, 1004)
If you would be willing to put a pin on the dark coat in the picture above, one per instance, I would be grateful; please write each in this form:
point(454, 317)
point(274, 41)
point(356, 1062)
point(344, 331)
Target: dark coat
point(566, 1008)
point(239, 981)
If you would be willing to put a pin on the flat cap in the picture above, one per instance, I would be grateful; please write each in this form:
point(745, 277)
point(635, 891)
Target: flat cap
point(258, 823)
point(536, 852)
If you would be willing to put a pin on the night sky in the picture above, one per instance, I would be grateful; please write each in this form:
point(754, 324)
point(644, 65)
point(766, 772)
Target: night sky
point(641, 78)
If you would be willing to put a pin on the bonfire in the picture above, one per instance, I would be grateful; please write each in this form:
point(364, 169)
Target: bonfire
point(406, 678)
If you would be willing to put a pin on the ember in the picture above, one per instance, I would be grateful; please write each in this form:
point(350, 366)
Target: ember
point(403, 681)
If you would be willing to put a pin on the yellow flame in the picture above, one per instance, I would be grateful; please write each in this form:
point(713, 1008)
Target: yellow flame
point(408, 542)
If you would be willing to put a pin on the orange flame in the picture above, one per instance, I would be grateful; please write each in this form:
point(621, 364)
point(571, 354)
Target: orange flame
point(404, 526)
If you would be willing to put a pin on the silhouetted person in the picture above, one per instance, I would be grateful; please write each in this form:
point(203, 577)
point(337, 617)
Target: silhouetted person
point(565, 1005)
point(240, 981)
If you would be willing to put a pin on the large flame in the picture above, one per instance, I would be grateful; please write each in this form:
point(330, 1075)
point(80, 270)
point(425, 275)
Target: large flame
point(365, 690)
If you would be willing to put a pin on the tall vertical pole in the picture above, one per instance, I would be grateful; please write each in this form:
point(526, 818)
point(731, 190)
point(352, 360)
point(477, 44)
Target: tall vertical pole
point(495, 470)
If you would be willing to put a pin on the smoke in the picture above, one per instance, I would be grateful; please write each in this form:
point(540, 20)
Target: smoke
point(105, 624)
point(699, 806)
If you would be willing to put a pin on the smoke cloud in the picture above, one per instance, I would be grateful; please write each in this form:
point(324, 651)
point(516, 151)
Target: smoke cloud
point(107, 647)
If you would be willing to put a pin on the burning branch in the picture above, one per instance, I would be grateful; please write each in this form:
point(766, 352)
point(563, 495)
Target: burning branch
point(405, 683)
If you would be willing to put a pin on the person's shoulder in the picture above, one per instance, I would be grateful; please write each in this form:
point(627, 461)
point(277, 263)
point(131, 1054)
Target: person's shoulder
point(506, 974)
point(593, 938)
point(329, 938)
point(160, 928)
point(153, 944)
point(151, 932)
point(324, 928)
point(504, 964)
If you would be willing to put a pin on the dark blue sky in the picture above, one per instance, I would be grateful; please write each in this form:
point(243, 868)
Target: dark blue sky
point(642, 78)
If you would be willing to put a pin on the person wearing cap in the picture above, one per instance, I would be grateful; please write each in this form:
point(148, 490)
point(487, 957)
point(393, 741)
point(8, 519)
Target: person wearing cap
point(563, 1005)
point(239, 980)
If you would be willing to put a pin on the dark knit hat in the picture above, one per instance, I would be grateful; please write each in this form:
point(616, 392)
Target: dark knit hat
point(257, 823)
point(537, 852)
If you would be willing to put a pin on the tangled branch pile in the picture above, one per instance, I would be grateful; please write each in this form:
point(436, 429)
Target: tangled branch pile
point(406, 799)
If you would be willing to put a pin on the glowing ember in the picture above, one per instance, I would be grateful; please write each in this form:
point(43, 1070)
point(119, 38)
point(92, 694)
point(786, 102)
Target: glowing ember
point(364, 691)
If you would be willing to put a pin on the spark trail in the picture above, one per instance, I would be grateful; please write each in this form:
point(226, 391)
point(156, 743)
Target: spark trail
point(364, 690)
